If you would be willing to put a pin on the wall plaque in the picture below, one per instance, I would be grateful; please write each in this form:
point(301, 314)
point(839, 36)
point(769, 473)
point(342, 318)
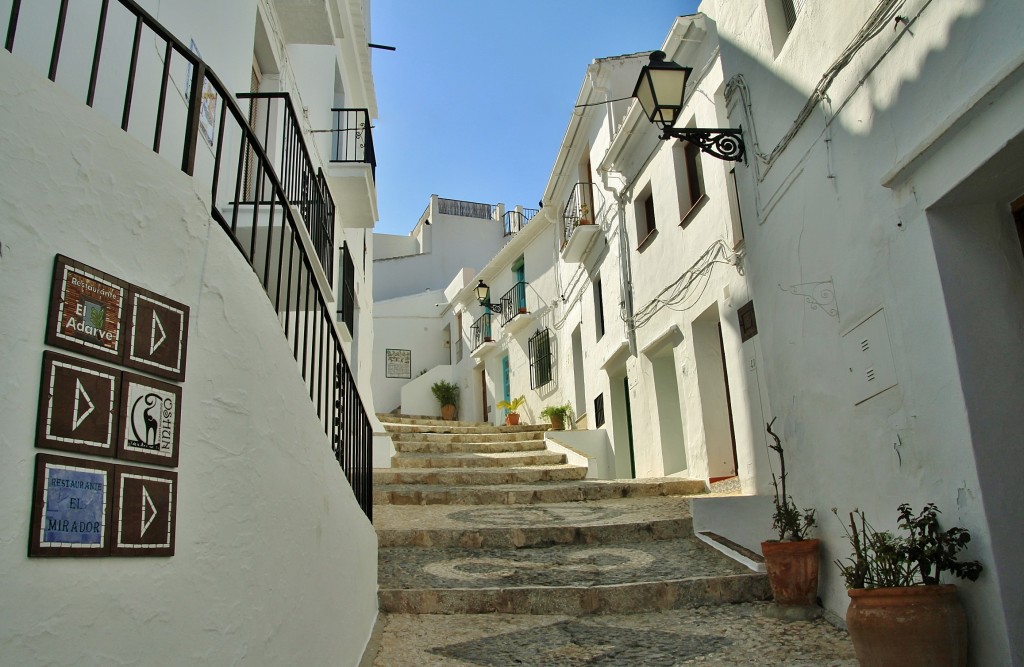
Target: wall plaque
point(144, 512)
point(150, 420)
point(71, 507)
point(78, 406)
point(156, 334)
point(87, 308)
point(398, 363)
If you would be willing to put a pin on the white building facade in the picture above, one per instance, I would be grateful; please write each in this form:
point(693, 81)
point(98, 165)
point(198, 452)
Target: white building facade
point(219, 168)
point(881, 209)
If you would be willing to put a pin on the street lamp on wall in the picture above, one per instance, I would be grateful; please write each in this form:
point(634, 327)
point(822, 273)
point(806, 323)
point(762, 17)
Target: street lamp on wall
point(483, 296)
point(660, 91)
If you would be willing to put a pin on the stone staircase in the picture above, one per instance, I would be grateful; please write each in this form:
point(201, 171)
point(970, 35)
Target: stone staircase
point(475, 519)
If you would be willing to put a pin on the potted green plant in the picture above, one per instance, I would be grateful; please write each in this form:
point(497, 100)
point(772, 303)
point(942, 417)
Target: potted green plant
point(512, 417)
point(900, 613)
point(447, 394)
point(557, 414)
point(792, 559)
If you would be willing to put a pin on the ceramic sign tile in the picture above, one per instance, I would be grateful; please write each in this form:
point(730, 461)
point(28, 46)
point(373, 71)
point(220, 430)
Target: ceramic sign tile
point(156, 334)
point(87, 309)
point(144, 512)
point(78, 405)
point(150, 420)
point(71, 507)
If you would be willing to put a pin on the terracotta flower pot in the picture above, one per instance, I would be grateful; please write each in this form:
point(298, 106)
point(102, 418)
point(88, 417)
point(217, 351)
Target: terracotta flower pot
point(448, 412)
point(793, 570)
point(915, 626)
point(512, 419)
point(557, 424)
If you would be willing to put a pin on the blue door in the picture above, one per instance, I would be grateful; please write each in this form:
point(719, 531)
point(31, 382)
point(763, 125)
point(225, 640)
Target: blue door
point(520, 269)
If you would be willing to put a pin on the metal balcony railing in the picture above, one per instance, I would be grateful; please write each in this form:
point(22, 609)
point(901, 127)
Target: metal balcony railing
point(352, 138)
point(513, 303)
point(267, 236)
point(304, 185)
point(515, 220)
point(579, 210)
point(480, 332)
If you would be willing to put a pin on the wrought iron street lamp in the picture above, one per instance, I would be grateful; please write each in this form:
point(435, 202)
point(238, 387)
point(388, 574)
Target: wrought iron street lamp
point(483, 295)
point(660, 91)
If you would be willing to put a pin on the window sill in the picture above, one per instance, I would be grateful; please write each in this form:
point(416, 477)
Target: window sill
point(647, 240)
point(692, 213)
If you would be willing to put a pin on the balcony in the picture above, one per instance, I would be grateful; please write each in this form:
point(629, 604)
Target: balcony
point(273, 120)
point(515, 315)
point(515, 220)
point(481, 340)
point(579, 227)
point(353, 167)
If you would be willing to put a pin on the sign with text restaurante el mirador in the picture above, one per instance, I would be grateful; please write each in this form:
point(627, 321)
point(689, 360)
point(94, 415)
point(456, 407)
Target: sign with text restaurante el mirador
point(88, 507)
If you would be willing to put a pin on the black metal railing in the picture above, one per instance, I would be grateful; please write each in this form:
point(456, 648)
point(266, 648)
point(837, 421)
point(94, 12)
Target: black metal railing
point(268, 236)
point(515, 220)
point(513, 303)
point(347, 291)
point(579, 210)
point(465, 209)
point(352, 138)
point(304, 186)
point(480, 332)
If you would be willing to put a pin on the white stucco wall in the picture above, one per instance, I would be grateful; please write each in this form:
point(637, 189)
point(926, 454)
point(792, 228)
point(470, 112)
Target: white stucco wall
point(265, 520)
point(868, 206)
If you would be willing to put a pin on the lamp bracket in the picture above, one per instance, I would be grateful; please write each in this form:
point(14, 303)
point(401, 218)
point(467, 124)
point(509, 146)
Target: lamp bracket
point(494, 307)
point(722, 143)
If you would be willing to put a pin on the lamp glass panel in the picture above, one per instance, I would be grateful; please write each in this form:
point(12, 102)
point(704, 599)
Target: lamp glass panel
point(645, 94)
point(668, 85)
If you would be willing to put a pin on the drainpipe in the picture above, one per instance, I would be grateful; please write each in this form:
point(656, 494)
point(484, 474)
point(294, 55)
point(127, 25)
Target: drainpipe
point(625, 271)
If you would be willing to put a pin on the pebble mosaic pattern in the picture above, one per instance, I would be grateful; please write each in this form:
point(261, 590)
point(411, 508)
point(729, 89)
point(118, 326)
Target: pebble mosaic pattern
point(719, 636)
point(581, 565)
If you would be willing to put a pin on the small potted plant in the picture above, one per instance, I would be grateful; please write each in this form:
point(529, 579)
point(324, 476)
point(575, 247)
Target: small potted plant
point(512, 417)
point(792, 559)
point(447, 394)
point(900, 613)
point(585, 215)
point(557, 414)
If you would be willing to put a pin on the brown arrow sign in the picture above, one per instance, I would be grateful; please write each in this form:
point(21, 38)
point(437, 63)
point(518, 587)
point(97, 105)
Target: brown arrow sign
point(144, 512)
point(78, 405)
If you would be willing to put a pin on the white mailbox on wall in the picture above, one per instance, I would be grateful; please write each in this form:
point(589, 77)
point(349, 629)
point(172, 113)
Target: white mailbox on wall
point(868, 356)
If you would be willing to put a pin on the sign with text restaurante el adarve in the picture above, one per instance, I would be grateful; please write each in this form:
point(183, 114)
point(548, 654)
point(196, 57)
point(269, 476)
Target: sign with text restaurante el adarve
point(99, 315)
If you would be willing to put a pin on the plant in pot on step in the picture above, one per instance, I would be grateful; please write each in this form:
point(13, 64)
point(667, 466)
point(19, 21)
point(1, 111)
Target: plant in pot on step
point(557, 414)
point(447, 394)
point(900, 613)
point(792, 559)
point(512, 418)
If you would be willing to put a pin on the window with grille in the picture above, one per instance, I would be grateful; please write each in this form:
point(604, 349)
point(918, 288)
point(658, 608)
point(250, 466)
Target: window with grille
point(347, 293)
point(540, 359)
point(599, 410)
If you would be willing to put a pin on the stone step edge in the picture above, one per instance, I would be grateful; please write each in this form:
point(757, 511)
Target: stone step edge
point(426, 494)
point(532, 537)
point(635, 597)
point(736, 552)
point(434, 461)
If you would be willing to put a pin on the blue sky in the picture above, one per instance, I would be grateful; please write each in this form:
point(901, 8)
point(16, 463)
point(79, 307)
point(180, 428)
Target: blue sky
point(474, 102)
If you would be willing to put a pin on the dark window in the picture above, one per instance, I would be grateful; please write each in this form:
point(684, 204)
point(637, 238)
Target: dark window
point(540, 359)
point(599, 308)
point(1017, 208)
point(651, 225)
point(748, 323)
point(694, 173)
point(599, 410)
point(347, 295)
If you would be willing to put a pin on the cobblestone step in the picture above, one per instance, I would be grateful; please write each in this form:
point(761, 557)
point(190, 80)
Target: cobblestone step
point(438, 426)
point(423, 420)
point(617, 521)
point(479, 476)
point(421, 447)
point(528, 494)
point(588, 579)
point(720, 635)
point(472, 460)
point(469, 436)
